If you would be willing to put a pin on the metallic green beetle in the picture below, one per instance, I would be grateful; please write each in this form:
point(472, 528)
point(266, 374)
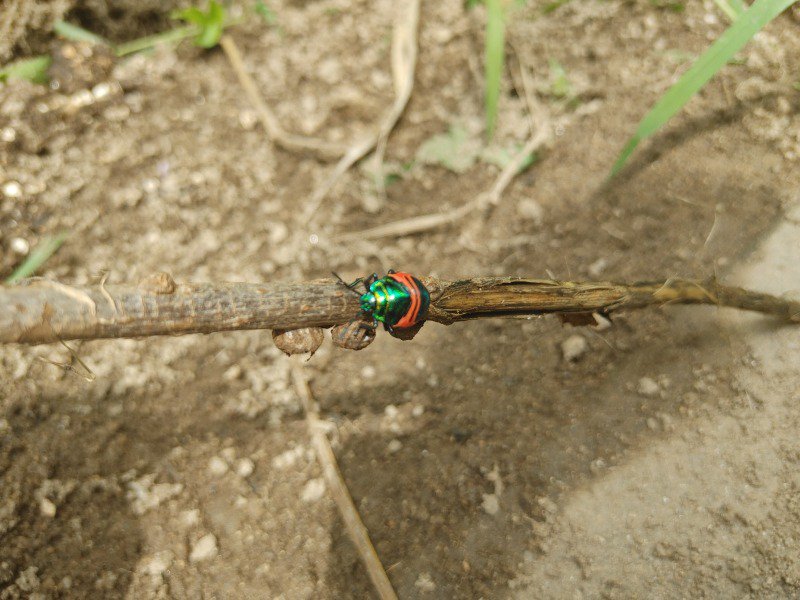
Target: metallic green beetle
point(399, 300)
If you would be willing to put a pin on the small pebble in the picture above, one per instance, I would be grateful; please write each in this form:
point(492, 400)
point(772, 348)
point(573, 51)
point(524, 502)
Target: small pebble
point(417, 411)
point(28, 579)
point(248, 119)
point(232, 373)
point(204, 549)
point(245, 467)
point(597, 267)
point(530, 209)
point(20, 246)
point(368, 372)
point(574, 347)
point(47, 508)
point(190, 518)
point(101, 90)
point(491, 504)
point(425, 583)
point(158, 563)
point(394, 446)
point(217, 466)
point(647, 387)
point(313, 490)
point(12, 189)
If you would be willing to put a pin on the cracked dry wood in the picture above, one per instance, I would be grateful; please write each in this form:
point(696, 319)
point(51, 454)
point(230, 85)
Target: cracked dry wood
point(39, 311)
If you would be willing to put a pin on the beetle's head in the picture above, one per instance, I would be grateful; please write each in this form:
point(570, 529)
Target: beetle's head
point(368, 302)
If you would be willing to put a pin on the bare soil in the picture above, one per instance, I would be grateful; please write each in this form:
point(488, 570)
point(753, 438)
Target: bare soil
point(662, 462)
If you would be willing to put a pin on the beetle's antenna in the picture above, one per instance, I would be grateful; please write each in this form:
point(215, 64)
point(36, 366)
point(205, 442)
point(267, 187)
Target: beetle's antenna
point(349, 286)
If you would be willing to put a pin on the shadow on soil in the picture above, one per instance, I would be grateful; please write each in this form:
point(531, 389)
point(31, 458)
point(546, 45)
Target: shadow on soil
point(545, 434)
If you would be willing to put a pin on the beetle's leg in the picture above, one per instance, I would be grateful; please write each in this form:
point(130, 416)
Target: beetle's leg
point(388, 328)
point(391, 272)
point(349, 286)
point(370, 280)
point(366, 325)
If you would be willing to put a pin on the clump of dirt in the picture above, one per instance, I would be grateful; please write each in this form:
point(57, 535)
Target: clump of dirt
point(487, 459)
point(26, 26)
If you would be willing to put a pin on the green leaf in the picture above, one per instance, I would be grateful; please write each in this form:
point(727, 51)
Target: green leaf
point(28, 69)
point(453, 150)
point(211, 23)
point(501, 157)
point(78, 34)
point(43, 251)
point(191, 15)
point(495, 54)
point(730, 42)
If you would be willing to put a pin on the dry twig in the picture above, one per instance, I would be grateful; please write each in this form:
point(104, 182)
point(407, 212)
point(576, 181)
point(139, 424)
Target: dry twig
point(540, 136)
point(404, 61)
point(428, 222)
point(341, 496)
point(39, 311)
point(269, 121)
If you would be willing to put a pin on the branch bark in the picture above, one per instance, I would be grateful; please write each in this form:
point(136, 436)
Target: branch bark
point(40, 311)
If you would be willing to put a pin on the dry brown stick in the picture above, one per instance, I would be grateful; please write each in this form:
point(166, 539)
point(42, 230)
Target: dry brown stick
point(40, 311)
point(269, 121)
point(341, 496)
point(404, 61)
point(491, 198)
point(411, 225)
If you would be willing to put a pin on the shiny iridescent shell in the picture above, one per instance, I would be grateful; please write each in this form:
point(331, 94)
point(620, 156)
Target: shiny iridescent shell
point(398, 300)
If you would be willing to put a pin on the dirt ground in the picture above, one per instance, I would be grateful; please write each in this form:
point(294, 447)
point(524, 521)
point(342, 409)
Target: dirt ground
point(662, 462)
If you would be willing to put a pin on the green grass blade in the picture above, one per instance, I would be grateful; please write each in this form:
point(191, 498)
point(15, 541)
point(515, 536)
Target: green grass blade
point(728, 8)
point(738, 5)
point(78, 34)
point(495, 49)
point(151, 41)
point(30, 69)
point(730, 42)
point(44, 250)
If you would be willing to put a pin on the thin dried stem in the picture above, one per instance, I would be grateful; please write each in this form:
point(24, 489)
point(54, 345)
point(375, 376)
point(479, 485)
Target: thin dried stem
point(404, 61)
point(270, 122)
point(39, 311)
point(338, 487)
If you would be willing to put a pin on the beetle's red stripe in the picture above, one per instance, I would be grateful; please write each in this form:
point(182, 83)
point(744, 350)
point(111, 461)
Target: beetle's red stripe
point(410, 318)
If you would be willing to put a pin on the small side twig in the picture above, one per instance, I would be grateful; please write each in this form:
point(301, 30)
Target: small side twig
point(269, 121)
point(539, 137)
point(341, 496)
point(422, 223)
point(404, 60)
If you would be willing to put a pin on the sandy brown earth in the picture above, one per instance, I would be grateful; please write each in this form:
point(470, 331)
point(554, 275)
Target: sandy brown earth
point(661, 462)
